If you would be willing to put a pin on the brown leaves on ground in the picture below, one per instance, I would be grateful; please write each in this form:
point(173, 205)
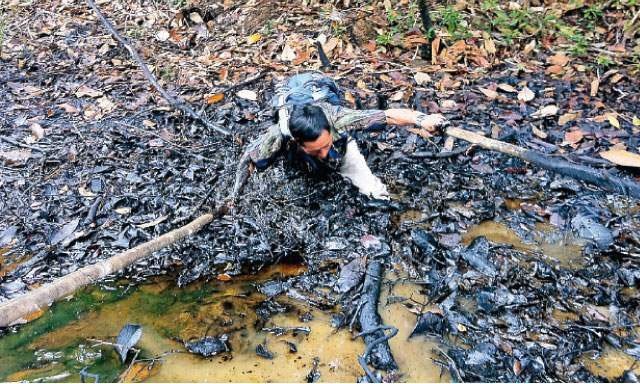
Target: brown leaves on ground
point(622, 157)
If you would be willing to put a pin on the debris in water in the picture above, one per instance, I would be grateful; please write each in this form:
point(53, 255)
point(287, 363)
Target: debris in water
point(127, 339)
point(208, 346)
point(262, 351)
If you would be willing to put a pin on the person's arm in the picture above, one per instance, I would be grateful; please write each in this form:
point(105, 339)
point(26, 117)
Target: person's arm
point(259, 154)
point(347, 118)
point(403, 116)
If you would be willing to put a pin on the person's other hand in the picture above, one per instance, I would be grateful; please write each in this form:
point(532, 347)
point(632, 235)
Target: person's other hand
point(431, 122)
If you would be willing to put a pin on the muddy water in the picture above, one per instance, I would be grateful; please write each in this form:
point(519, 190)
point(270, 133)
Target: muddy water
point(553, 245)
point(414, 356)
point(57, 346)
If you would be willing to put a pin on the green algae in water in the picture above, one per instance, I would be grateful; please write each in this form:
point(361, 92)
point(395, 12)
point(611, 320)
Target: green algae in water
point(18, 355)
point(169, 315)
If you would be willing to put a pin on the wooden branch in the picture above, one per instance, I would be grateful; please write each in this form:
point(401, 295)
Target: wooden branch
point(370, 322)
point(425, 49)
point(17, 144)
point(175, 102)
point(594, 176)
point(21, 306)
point(324, 60)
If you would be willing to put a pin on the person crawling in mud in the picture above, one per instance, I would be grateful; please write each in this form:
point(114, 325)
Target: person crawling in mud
point(314, 129)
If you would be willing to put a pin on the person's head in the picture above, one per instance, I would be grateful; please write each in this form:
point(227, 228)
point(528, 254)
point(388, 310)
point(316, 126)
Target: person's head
point(310, 128)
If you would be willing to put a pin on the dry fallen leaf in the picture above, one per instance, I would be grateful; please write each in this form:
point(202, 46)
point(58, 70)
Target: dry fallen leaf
point(153, 223)
point(87, 91)
point(622, 157)
point(538, 132)
point(223, 277)
point(16, 156)
point(490, 46)
point(558, 59)
point(517, 367)
point(421, 78)
point(123, 210)
point(252, 39)
point(196, 18)
point(163, 35)
point(636, 121)
point(573, 137)
point(555, 70)
point(348, 96)
point(448, 105)
point(526, 95)
point(489, 93)
point(529, 47)
point(507, 88)
point(613, 120)
point(548, 110)
point(288, 53)
point(68, 108)
point(567, 117)
point(37, 131)
point(397, 96)
point(247, 95)
point(149, 123)
point(215, 98)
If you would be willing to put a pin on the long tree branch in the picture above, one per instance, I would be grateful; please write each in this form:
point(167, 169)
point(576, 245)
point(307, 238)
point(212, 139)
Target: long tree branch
point(21, 306)
point(594, 176)
point(176, 102)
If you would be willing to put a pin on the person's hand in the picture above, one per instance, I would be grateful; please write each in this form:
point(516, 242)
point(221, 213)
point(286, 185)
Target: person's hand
point(430, 122)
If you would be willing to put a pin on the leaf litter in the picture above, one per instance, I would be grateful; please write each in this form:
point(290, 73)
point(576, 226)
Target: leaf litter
point(98, 121)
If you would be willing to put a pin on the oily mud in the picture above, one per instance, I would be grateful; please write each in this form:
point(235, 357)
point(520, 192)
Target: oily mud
point(497, 249)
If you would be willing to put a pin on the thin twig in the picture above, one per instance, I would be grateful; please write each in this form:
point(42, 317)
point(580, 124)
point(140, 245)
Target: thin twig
point(176, 102)
point(17, 144)
point(246, 82)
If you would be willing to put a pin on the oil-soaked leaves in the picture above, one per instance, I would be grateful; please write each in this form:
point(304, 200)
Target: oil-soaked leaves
point(64, 232)
point(128, 337)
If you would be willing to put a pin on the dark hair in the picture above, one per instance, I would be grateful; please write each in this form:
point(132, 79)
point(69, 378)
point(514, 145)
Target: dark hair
point(307, 122)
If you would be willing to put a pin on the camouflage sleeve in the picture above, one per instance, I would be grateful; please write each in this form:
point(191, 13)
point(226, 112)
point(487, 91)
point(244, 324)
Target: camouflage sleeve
point(347, 119)
point(264, 149)
point(261, 153)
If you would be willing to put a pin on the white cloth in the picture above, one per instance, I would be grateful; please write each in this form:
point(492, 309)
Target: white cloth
point(355, 169)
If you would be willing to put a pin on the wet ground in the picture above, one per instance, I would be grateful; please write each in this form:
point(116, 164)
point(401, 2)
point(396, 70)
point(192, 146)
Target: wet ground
point(552, 295)
point(57, 347)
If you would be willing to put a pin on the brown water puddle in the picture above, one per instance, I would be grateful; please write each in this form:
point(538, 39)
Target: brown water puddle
point(611, 363)
point(557, 246)
point(414, 356)
point(169, 314)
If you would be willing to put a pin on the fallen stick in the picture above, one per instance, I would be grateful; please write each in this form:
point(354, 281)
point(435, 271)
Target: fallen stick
point(593, 176)
point(40, 298)
point(175, 102)
point(425, 49)
point(379, 352)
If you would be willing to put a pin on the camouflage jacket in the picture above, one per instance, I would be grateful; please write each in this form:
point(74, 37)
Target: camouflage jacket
point(266, 148)
point(341, 120)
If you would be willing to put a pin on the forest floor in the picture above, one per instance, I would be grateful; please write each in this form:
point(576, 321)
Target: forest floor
point(95, 161)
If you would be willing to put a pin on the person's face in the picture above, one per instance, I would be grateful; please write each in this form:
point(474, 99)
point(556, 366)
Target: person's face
point(319, 148)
